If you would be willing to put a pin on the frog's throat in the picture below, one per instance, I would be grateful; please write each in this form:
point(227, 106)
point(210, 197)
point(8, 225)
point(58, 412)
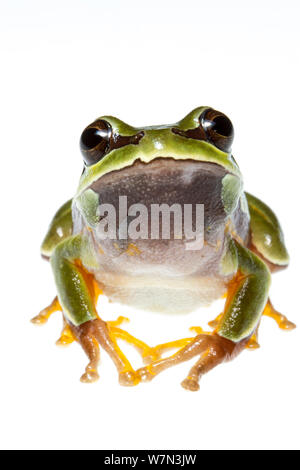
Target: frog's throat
point(164, 181)
point(183, 149)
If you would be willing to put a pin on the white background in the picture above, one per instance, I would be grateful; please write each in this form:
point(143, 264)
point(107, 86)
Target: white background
point(63, 63)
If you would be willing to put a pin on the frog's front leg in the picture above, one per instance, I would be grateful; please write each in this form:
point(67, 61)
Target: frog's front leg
point(267, 241)
point(246, 299)
point(77, 298)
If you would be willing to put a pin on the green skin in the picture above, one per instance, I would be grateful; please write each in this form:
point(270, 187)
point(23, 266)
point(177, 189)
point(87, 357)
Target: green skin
point(246, 305)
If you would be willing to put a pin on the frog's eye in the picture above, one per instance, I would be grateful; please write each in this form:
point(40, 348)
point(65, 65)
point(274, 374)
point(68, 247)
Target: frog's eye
point(218, 129)
point(95, 141)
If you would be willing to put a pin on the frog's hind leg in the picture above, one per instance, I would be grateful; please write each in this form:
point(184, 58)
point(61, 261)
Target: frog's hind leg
point(281, 320)
point(77, 293)
point(253, 341)
point(91, 347)
point(213, 350)
point(247, 297)
point(211, 357)
point(90, 335)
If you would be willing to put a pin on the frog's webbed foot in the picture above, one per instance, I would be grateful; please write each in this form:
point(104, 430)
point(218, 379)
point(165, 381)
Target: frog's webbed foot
point(281, 320)
point(213, 350)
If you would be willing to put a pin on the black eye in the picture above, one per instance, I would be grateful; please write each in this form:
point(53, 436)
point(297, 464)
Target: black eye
point(95, 141)
point(218, 129)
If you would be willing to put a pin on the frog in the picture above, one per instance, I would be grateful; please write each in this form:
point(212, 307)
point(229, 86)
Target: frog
point(188, 162)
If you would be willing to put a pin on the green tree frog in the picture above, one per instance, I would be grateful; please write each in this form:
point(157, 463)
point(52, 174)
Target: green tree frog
point(189, 162)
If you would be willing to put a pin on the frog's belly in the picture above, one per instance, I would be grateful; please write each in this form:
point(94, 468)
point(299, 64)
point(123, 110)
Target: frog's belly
point(164, 277)
point(161, 294)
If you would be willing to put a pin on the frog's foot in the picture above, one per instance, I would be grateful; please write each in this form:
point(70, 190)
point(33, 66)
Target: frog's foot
point(45, 314)
point(281, 320)
point(148, 353)
point(94, 333)
point(213, 350)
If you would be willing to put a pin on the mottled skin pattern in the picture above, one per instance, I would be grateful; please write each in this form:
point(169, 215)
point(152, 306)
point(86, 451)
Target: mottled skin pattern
point(189, 162)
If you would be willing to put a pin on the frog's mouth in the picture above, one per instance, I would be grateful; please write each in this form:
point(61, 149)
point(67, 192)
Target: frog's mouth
point(167, 181)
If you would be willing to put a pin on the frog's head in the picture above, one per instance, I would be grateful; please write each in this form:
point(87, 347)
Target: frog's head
point(189, 161)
